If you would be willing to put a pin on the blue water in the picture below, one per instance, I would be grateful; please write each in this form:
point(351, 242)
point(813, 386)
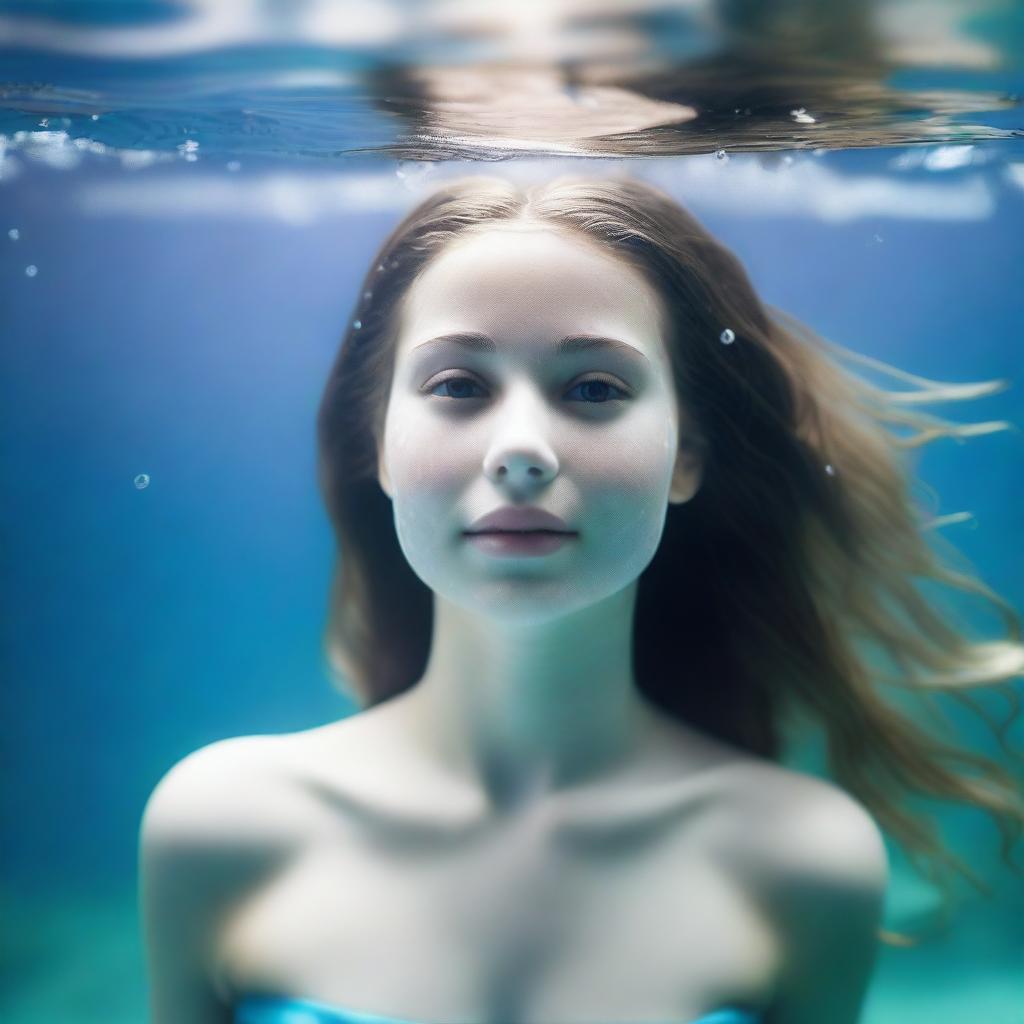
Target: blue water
point(199, 211)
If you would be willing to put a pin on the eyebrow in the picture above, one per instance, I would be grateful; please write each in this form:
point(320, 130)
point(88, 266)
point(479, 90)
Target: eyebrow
point(477, 342)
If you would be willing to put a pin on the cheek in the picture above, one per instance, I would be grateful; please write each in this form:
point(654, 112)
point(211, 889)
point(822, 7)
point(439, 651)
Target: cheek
point(421, 456)
point(625, 484)
point(635, 458)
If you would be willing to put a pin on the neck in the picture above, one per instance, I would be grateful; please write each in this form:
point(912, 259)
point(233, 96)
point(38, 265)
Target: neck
point(522, 710)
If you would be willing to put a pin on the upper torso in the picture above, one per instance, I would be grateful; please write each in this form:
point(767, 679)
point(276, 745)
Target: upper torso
point(379, 887)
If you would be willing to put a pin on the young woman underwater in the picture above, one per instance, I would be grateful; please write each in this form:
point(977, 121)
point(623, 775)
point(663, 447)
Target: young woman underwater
point(561, 801)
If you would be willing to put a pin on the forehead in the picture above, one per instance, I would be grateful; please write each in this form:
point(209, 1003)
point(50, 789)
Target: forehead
point(522, 280)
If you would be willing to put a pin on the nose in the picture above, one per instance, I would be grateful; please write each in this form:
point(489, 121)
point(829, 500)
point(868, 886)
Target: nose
point(519, 468)
point(519, 453)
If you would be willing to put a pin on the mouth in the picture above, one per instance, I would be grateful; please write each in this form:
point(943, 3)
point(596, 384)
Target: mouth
point(550, 533)
point(518, 543)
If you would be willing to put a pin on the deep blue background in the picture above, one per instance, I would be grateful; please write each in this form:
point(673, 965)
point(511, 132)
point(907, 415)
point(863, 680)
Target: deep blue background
point(141, 624)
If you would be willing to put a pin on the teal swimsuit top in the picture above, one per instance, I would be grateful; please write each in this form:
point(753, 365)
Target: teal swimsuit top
point(286, 1010)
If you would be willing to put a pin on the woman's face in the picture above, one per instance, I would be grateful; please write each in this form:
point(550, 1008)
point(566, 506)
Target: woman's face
point(589, 434)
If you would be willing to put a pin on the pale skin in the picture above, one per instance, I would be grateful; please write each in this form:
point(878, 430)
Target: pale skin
point(520, 838)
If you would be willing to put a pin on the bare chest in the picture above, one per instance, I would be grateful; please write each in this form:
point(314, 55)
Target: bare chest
point(527, 921)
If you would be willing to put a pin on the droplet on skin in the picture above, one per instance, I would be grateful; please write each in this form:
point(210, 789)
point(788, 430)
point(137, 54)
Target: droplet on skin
point(141, 481)
point(727, 337)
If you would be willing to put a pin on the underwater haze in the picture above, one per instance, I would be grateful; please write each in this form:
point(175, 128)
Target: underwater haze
point(189, 196)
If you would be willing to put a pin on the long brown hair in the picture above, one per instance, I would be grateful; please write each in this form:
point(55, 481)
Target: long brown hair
point(792, 571)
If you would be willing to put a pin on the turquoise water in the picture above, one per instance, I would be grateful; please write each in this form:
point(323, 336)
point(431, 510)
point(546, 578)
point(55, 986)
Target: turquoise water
point(197, 194)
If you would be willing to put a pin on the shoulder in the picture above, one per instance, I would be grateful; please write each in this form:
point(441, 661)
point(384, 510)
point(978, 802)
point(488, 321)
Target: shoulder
point(207, 839)
point(215, 825)
point(820, 869)
point(810, 824)
point(800, 827)
point(214, 794)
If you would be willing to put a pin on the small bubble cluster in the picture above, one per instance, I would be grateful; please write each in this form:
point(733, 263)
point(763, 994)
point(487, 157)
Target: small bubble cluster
point(801, 116)
point(141, 481)
point(727, 337)
point(412, 172)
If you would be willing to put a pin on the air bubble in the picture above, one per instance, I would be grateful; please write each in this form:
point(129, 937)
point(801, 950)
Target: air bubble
point(188, 150)
point(801, 116)
point(94, 117)
point(31, 270)
point(721, 154)
point(14, 234)
point(367, 296)
point(357, 324)
point(141, 481)
point(412, 172)
point(830, 469)
point(233, 165)
point(727, 337)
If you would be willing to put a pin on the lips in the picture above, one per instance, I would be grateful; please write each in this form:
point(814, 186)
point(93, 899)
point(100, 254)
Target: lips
point(512, 519)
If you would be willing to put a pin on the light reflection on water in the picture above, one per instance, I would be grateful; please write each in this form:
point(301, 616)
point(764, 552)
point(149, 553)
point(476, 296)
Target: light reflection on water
point(477, 80)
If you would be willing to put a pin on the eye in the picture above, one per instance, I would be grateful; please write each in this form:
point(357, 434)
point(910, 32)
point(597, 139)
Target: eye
point(602, 387)
point(456, 384)
point(457, 387)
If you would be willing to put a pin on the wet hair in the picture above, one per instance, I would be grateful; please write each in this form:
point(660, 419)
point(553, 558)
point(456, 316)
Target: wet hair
point(792, 573)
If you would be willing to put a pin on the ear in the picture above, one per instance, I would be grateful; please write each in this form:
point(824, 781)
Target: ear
point(382, 474)
point(687, 473)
